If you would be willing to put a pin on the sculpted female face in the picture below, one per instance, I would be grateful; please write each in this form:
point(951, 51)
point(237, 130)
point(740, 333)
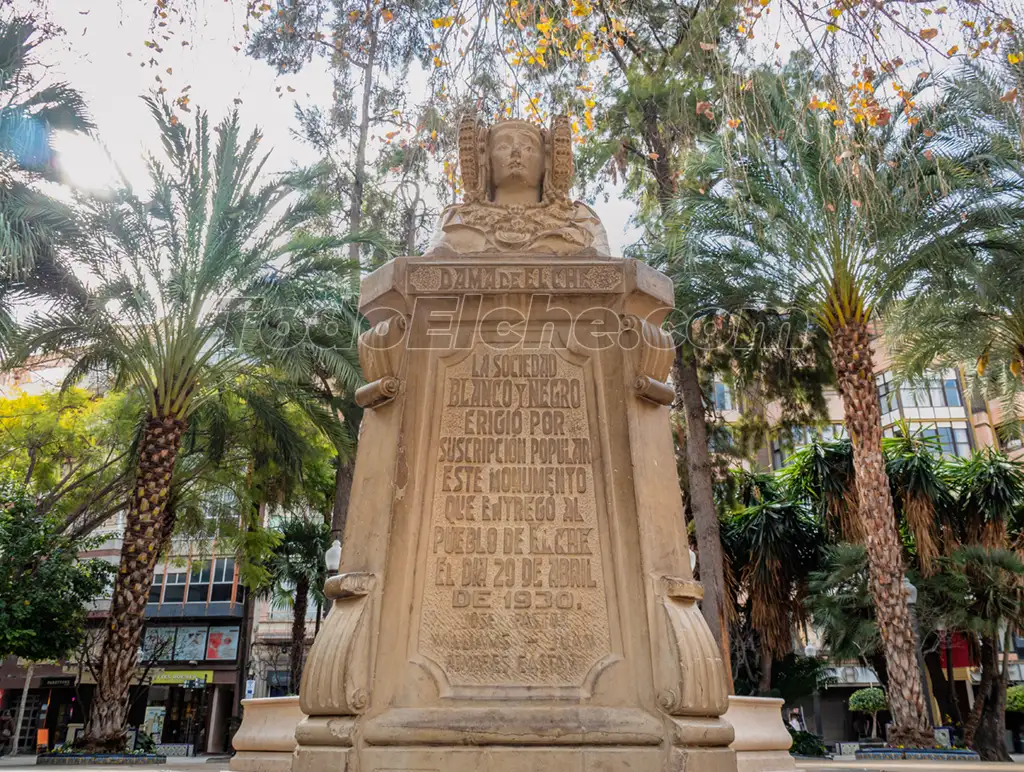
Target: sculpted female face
point(517, 156)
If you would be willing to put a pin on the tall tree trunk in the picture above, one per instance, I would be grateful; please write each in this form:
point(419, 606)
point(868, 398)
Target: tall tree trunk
point(852, 359)
point(764, 684)
point(342, 496)
point(954, 701)
point(702, 501)
point(937, 676)
point(299, 608)
point(147, 522)
point(355, 207)
point(989, 734)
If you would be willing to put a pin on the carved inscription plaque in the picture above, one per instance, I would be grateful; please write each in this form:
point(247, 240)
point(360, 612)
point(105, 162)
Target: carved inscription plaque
point(584, 277)
point(514, 592)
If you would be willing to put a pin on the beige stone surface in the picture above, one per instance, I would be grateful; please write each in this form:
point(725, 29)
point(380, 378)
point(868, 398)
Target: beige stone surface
point(515, 590)
point(762, 741)
point(266, 738)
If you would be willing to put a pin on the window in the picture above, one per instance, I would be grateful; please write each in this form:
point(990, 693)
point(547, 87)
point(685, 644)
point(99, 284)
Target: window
point(156, 588)
point(199, 584)
point(721, 396)
point(174, 586)
point(721, 439)
point(954, 439)
point(223, 579)
point(277, 683)
point(886, 392)
point(799, 436)
point(936, 389)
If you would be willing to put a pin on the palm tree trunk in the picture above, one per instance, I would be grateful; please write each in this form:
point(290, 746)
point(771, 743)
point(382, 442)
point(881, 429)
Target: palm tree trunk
point(144, 532)
point(852, 359)
point(702, 501)
point(988, 721)
point(299, 608)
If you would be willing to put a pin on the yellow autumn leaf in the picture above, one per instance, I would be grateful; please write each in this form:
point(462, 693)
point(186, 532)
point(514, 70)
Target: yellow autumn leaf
point(1014, 58)
point(653, 156)
point(734, 122)
point(952, 51)
point(929, 33)
point(387, 15)
point(1009, 96)
point(442, 22)
point(832, 28)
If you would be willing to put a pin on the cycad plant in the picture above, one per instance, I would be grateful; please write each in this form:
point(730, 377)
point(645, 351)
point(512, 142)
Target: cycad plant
point(186, 291)
point(841, 213)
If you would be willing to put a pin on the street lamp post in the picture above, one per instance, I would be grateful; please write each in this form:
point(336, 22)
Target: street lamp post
point(812, 651)
point(911, 592)
point(332, 559)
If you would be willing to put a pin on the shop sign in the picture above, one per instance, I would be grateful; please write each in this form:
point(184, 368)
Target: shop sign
point(56, 682)
point(189, 678)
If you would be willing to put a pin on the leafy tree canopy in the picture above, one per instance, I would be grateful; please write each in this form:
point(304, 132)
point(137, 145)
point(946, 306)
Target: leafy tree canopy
point(44, 587)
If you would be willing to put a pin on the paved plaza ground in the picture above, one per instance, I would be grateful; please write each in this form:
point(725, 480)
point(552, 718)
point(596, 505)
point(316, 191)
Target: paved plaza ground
point(842, 764)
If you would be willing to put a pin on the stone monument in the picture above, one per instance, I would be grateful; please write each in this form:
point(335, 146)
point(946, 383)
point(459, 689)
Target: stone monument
point(515, 590)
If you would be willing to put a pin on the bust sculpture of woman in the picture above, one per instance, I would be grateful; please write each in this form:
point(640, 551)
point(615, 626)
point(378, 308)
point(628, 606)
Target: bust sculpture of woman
point(516, 178)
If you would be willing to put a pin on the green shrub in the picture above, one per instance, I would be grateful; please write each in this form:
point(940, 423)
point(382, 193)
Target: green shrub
point(1015, 699)
point(871, 701)
point(805, 744)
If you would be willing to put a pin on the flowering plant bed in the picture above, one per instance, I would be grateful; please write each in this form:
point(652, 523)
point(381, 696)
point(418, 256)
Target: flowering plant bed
point(89, 759)
point(917, 754)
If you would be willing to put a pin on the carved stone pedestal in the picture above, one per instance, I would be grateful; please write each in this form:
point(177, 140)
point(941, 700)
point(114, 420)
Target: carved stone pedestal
point(515, 590)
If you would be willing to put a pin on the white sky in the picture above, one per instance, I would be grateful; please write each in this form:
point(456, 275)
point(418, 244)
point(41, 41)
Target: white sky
point(94, 57)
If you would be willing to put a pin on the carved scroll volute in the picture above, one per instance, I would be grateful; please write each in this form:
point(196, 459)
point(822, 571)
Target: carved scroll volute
point(471, 161)
point(689, 669)
point(381, 350)
point(652, 352)
point(560, 164)
point(336, 678)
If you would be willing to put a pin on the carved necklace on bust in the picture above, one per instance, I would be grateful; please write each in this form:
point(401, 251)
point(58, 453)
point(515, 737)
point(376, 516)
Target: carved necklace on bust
point(518, 225)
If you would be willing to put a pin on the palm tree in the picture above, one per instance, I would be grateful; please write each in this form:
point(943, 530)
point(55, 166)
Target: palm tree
point(988, 493)
point(187, 291)
point(841, 214)
point(980, 593)
point(774, 543)
point(297, 569)
point(968, 309)
point(31, 222)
